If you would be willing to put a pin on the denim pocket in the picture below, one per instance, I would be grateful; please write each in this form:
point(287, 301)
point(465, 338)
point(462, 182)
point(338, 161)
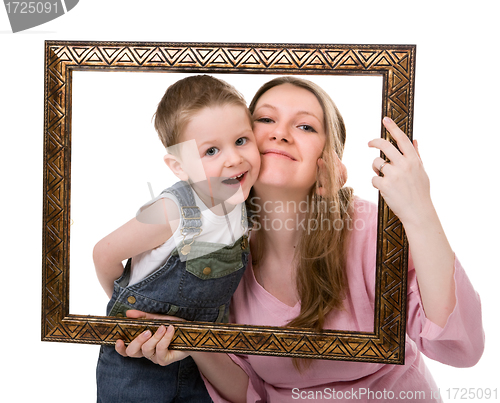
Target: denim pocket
point(209, 262)
point(210, 281)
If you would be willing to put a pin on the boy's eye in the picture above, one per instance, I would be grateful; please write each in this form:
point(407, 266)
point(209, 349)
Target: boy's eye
point(264, 120)
point(307, 128)
point(212, 151)
point(241, 141)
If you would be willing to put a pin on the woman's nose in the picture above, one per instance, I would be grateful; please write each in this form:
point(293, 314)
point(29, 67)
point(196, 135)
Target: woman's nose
point(281, 133)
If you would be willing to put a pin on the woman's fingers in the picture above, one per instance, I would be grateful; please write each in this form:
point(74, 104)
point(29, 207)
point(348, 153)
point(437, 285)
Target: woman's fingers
point(381, 166)
point(156, 349)
point(152, 346)
point(391, 152)
point(406, 149)
point(134, 349)
point(135, 314)
point(149, 347)
point(164, 356)
point(401, 178)
point(404, 143)
point(121, 348)
point(406, 156)
point(415, 145)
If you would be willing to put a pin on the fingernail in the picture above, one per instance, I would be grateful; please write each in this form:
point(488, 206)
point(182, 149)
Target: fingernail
point(387, 119)
point(161, 330)
point(147, 333)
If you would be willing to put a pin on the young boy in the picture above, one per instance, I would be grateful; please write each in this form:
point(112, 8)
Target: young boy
point(187, 248)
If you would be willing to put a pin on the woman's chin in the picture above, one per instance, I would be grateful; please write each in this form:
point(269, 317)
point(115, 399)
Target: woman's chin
point(278, 185)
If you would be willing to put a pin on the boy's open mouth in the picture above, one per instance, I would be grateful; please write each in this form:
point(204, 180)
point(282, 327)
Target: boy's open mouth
point(234, 180)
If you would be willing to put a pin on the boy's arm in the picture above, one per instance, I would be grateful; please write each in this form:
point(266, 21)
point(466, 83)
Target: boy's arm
point(131, 239)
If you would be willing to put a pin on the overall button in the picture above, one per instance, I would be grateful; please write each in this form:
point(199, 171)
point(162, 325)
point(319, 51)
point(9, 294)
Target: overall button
point(131, 299)
point(244, 243)
point(207, 270)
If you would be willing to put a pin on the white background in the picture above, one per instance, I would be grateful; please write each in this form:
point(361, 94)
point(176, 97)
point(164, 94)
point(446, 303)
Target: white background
point(456, 123)
point(123, 156)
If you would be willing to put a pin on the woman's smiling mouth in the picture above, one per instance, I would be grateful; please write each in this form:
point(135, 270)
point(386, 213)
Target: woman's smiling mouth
point(279, 153)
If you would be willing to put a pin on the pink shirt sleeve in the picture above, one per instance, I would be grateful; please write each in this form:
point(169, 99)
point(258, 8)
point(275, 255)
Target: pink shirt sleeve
point(461, 342)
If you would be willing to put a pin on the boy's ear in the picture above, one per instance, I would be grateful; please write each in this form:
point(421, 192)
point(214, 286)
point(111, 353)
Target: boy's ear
point(175, 166)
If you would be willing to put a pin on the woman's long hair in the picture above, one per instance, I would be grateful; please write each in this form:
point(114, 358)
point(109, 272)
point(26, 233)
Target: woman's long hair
point(320, 255)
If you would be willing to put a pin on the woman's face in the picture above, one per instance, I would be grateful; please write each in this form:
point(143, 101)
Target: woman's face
point(290, 134)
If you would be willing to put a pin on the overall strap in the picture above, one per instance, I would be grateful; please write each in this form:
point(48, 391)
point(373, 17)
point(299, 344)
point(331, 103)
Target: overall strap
point(190, 216)
point(190, 212)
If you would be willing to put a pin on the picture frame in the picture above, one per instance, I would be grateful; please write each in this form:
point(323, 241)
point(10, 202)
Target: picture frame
point(394, 63)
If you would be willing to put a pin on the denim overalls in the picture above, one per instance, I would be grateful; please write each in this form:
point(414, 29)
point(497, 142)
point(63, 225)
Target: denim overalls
point(197, 289)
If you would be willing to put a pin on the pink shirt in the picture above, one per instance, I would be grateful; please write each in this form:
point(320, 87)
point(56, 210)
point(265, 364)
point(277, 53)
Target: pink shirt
point(275, 379)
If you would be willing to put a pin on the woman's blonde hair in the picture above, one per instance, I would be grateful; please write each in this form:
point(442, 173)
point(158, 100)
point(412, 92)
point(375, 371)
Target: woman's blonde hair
point(320, 255)
point(185, 98)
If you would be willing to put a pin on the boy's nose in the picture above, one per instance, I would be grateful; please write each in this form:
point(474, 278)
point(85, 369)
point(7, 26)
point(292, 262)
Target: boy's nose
point(233, 158)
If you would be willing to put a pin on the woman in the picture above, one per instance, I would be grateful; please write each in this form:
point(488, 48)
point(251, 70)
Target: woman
point(324, 277)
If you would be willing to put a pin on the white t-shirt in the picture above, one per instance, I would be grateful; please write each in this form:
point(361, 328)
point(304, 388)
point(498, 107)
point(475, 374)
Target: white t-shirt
point(220, 229)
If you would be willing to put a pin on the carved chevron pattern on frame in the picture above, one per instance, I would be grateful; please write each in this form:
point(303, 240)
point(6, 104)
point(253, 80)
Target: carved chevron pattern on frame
point(159, 55)
point(395, 63)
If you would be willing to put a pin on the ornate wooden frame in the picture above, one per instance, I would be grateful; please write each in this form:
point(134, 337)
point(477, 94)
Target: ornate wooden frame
point(395, 63)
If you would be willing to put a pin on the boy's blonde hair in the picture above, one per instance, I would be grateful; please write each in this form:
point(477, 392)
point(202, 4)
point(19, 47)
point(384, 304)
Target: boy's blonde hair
point(185, 98)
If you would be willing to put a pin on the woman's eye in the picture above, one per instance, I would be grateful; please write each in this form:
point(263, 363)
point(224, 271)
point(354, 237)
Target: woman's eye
point(212, 151)
point(307, 128)
point(264, 120)
point(241, 141)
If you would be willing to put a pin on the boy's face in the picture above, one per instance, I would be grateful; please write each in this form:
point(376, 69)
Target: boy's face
point(225, 144)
